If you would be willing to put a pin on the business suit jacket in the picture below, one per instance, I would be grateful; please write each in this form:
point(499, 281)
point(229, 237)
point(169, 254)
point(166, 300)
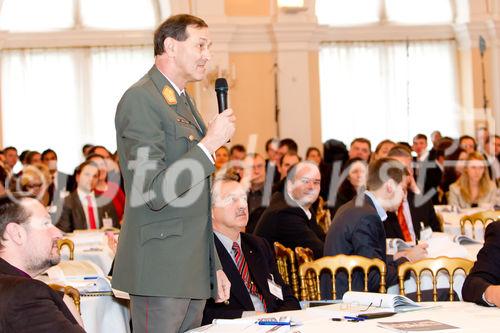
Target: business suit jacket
point(419, 211)
point(358, 230)
point(428, 177)
point(65, 182)
point(261, 264)
point(73, 217)
point(29, 305)
point(486, 270)
point(290, 226)
point(166, 242)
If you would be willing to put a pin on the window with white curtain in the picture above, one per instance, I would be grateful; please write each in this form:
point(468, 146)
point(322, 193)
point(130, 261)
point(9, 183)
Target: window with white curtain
point(419, 11)
point(394, 90)
point(351, 12)
point(133, 14)
point(357, 12)
point(62, 98)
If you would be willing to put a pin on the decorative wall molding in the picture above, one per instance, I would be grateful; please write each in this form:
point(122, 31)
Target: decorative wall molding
point(73, 38)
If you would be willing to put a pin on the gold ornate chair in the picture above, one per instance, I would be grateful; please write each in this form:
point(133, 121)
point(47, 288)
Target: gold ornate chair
point(70, 291)
point(285, 260)
point(335, 263)
point(434, 266)
point(304, 254)
point(484, 217)
point(323, 216)
point(69, 243)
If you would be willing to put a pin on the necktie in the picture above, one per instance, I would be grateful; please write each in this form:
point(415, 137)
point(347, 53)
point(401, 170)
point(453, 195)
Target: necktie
point(403, 225)
point(90, 210)
point(245, 274)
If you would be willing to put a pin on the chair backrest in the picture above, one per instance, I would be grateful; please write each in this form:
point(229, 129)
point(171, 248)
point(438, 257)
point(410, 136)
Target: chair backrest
point(335, 263)
point(305, 254)
point(69, 243)
point(323, 216)
point(70, 291)
point(434, 266)
point(484, 217)
point(285, 260)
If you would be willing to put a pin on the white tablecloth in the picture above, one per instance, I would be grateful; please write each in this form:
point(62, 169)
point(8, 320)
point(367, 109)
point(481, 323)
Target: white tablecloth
point(469, 317)
point(449, 249)
point(105, 314)
point(452, 221)
point(90, 245)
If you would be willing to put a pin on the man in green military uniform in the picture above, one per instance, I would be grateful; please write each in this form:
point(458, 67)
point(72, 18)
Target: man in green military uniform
point(166, 259)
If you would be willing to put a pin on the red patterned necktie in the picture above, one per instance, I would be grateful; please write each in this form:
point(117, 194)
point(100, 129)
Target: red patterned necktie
point(245, 274)
point(90, 210)
point(403, 225)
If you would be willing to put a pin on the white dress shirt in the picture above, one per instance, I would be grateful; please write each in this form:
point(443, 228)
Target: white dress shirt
point(83, 199)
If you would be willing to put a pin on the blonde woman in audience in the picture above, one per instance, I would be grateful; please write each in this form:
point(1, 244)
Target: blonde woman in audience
point(36, 179)
point(382, 149)
point(474, 187)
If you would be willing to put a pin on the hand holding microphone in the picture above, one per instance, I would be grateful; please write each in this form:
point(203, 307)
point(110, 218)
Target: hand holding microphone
point(222, 127)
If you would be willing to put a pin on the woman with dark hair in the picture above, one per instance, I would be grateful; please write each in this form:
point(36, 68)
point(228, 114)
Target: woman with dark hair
point(108, 186)
point(314, 155)
point(453, 166)
point(353, 184)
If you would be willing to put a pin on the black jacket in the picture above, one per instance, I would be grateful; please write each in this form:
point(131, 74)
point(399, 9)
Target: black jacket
point(486, 270)
point(419, 211)
point(29, 305)
point(290, 226)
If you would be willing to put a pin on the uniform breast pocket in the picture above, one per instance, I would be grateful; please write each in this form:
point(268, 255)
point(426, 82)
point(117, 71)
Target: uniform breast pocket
point(186, 134)
point(161, 230)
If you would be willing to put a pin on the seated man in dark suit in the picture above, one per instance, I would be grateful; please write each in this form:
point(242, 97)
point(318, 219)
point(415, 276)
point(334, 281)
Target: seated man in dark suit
point(288, 219)
point(28, 247)
point(357, 228)
point(248, 261)
point(60, 187)
point(405, 222)
point(82, 209)
point(482, 285)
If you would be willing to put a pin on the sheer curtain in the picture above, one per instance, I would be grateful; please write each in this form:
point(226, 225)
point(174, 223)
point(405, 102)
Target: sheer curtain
point(112, 71)
point(41, 106)
point(352, 12)
point(357, 12)
point(388, 90)
point(63, 98)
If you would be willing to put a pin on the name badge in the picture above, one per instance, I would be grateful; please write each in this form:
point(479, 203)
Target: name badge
point(425, 232)
point(274, 288)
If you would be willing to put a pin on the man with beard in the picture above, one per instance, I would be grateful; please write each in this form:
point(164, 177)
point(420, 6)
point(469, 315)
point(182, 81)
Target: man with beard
point(289, 219)
point(28, 247)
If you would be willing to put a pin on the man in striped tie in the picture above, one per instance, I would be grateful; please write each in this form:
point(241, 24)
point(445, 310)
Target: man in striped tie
point(248, 261)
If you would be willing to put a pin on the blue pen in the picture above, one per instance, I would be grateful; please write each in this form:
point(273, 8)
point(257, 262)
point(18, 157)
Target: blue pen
point(353, 318)
point(90, 277)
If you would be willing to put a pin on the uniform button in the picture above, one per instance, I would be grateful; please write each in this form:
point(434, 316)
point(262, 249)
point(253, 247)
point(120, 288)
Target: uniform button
point(191, 137)
point(162, 234)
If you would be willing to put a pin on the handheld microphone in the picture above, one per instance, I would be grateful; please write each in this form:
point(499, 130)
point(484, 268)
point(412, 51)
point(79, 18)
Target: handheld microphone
point(221, 89)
